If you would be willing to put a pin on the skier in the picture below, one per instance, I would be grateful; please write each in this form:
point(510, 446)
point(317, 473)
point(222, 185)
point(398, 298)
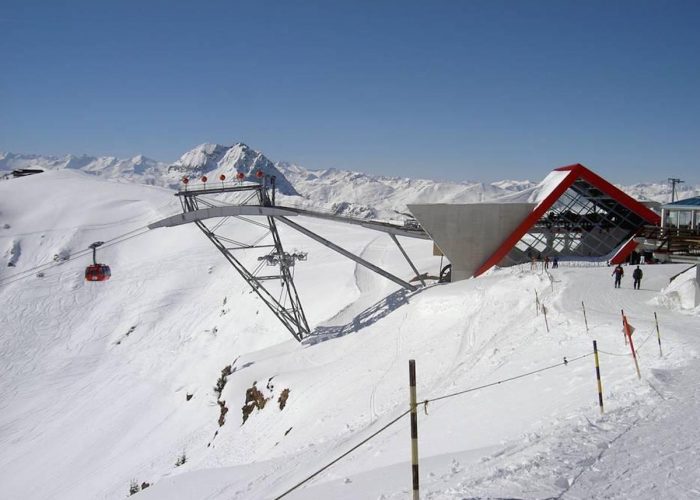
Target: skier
point(555, 263)
point(637, 276)
point(618, 272)
point(546, 261)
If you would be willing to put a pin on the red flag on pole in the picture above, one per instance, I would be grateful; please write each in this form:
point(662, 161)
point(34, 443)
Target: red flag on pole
point(628, 329)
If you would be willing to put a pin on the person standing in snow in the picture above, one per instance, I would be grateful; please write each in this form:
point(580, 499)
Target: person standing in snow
point(637, 276)
point(555, 263)
point(618, 272)
point(546, 261)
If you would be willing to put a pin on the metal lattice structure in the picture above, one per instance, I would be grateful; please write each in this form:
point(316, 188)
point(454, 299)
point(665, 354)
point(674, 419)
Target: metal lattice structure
point(259, 201)
point(292, 315)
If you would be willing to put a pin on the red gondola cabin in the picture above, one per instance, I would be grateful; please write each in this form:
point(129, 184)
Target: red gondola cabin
point(97, 272)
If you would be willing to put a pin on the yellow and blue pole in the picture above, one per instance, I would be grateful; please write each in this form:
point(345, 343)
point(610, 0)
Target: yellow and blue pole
point(414, 427)
point(597, 376)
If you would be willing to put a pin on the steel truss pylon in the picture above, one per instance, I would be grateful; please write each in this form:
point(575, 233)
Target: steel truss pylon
point(292, 317)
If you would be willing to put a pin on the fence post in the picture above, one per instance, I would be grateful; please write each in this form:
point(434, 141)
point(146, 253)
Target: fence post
point(544, 311)
point(597, 376)
point(585, 319)
point(414, 427)
point(658, 334)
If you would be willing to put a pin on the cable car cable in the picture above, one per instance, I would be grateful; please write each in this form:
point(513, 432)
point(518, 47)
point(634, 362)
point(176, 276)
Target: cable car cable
point(73, 257)
point(79, 254)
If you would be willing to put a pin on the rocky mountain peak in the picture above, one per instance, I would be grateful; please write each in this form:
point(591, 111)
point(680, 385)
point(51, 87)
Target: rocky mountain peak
point(215, 159)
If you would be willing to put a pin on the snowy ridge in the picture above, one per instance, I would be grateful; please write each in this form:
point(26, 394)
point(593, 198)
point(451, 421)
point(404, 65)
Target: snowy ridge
point(138, 169)
point(356, 193)
point(336, 191)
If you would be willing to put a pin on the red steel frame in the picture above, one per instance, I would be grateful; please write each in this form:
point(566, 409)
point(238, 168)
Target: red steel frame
point(576, 171)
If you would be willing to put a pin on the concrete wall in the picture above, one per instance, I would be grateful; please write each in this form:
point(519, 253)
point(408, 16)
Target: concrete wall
point(469, 233)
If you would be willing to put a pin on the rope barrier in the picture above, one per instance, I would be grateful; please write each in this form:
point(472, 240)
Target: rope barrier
point(509, 379)
point(614, 353)
point(425, 409)
point(641, 344)
point(368, 438)
point(628, 353)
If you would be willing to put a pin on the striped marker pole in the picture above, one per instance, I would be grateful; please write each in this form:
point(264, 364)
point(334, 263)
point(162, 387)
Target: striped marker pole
point(658, 334)
point(537, 303)
point(414, 427)
point(585, 319)
point(597, 376)
point(544, 311)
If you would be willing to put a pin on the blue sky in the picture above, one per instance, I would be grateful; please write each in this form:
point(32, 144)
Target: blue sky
point(461, 90)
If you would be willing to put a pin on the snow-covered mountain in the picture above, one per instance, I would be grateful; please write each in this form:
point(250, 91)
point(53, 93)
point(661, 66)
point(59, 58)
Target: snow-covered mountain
point(356, 193)
point(211, 160)
point(172, 373)
point(336, 191)
point(660, 191)
point(215, 160)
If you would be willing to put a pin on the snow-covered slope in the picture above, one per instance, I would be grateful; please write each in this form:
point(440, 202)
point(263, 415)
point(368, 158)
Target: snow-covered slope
point(102, 384)
point(139, 168)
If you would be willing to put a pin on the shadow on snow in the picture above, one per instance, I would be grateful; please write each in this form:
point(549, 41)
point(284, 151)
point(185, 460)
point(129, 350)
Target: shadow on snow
point(366, 318)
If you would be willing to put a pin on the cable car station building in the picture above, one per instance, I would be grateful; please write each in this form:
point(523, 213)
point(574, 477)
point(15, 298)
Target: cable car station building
point(572, 214)
point(678, 238)
point(682, 214)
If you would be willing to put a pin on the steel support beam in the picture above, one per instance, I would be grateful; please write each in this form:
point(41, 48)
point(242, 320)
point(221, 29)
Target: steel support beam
point(292, 318)
point(194, 213)
point(410, 263)
point(347, 254)
point(385, 227)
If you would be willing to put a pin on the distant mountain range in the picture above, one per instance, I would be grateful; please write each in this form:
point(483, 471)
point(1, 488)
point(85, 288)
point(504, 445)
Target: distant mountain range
point(336, 191)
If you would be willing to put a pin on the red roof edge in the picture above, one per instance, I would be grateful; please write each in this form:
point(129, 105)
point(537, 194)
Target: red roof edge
point(618, 195)
point(527, 223)
point(575, 171)
point(569, 167)
point(624, 252)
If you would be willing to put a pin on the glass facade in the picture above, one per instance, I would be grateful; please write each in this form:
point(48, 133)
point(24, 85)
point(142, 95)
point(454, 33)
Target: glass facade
point(583, 223)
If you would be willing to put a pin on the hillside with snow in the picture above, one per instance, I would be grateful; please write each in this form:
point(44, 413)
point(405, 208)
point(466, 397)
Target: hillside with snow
point(108, 385)
point(138, 169)
point(336, 191)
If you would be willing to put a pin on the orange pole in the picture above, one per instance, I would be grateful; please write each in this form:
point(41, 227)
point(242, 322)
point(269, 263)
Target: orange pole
point(634, 354)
